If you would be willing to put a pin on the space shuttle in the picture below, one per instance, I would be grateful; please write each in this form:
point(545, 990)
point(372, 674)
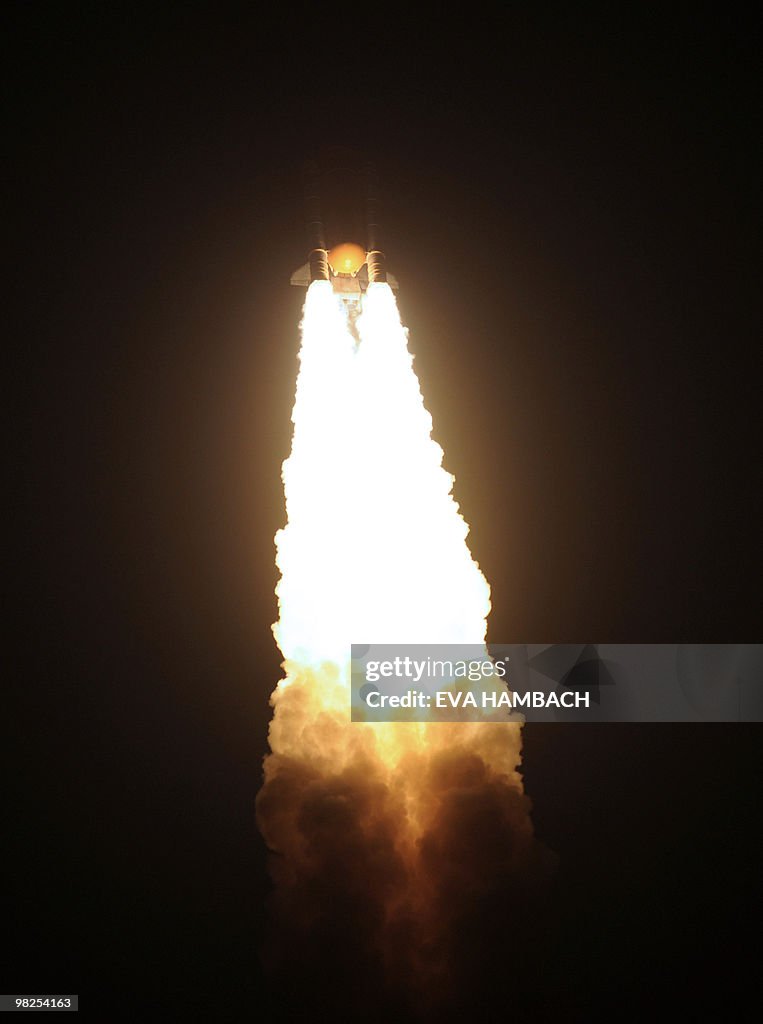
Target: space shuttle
point(334, 256)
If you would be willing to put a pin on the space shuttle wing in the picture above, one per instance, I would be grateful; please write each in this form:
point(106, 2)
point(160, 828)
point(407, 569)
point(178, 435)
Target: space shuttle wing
point(301, 276)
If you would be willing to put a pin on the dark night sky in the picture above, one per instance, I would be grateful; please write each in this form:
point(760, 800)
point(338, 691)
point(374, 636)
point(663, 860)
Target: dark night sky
point(569, 210)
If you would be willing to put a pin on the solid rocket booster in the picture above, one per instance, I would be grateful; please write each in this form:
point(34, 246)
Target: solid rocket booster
point(375, 261)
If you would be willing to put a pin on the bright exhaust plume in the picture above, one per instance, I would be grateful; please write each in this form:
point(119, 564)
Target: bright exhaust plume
point(385, 835)
point(375, 546)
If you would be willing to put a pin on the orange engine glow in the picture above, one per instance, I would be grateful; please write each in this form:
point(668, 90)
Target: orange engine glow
point(347, 258)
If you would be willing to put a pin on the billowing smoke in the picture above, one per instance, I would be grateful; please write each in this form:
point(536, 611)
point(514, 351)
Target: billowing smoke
point(395, 846)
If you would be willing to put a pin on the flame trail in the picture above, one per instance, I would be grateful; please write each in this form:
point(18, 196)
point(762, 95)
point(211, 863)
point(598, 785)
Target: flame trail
point(386, 835)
